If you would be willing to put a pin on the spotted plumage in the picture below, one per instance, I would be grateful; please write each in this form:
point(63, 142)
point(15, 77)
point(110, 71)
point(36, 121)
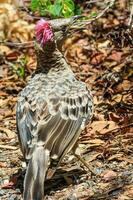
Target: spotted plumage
point(52, 110)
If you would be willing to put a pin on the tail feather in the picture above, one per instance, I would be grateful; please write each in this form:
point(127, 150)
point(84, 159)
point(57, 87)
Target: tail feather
point(35, 174)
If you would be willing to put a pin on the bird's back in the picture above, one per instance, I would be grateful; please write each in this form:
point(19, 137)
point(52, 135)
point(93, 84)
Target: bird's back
point(52, 110)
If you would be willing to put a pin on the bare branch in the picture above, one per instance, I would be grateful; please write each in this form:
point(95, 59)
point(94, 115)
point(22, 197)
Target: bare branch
point(88, 21)
point(103, 12)
point(85, 20)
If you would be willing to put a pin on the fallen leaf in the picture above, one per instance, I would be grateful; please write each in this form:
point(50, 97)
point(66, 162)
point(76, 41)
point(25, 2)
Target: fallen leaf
point(126, 159)
point(116, 56)
point(4, 49)
point(114, 117)
point(103, 126)
point(97, 59)
point(8, 147)
point(96, 141)
point(90, 158)
point(8, 132)
point(12, 182)
point(3, 165)
point(108, 175)
point(115, 156)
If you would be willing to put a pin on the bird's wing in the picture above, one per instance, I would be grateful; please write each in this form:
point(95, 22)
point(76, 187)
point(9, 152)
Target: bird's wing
point(53, 120)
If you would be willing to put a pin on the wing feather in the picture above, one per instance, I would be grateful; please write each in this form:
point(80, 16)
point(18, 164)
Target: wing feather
point(54, 117)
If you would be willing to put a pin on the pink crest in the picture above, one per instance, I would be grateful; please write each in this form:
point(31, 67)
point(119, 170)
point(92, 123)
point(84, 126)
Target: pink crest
point(43, 32)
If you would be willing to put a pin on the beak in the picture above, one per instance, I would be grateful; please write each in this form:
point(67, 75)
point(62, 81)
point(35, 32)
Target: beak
point(77, 23)
point(57, 24)
point(69, 23)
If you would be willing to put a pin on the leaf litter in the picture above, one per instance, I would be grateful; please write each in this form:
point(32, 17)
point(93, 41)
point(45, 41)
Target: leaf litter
point(106, 143)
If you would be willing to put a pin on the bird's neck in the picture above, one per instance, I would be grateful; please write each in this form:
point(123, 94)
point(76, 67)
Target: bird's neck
point(50, 58)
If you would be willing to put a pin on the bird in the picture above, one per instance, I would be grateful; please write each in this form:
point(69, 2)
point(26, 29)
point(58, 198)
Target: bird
point(53, 108)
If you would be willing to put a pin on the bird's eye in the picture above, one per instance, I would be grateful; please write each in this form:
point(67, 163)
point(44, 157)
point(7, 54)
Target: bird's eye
point(64, 28)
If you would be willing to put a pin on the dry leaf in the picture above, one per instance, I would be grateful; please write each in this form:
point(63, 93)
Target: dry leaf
point(115, 156)
point(116, 56)
point(108, 175)
point(96, 141)
point(90, 158)
point(4, 49)
point(103, 126)
point(8, 132)
point(97, 59)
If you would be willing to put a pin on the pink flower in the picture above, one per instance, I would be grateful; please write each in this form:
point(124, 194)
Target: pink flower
point(43, 32)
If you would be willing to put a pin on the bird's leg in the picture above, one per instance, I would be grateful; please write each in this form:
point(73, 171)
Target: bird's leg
point(52, 168)
point(76, 153)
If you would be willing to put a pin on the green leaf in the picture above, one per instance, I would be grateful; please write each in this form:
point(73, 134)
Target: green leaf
point(20, 71)
point(40, 5)
point(34, 5)
point(93, 14)
point(57, 8)
point(78, 10)
point(68, 8)
point(42, 10)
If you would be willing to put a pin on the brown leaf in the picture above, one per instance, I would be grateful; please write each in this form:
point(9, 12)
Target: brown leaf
point(8, 132)
point(3, 164)
point(85, 67)
point(109, 175)
point(90, 158)
point(114, 117)
point(11, 183)
point(97, 59)
point(4, 94)
point(4, 49)
point(125, 85)
point(116, 56)
point(103, 126)
point(115, 156)
point(96, 141)
point(126, 159)
point(128, 193)
point(7, 147)
point(13, 55)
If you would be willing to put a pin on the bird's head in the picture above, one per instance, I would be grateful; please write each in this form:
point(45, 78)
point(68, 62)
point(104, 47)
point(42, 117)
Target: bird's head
point(44, 33)
point(53, 31)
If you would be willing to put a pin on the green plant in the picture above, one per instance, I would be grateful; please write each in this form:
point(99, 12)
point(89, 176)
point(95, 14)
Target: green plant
point(18, 67)
point(57, 8)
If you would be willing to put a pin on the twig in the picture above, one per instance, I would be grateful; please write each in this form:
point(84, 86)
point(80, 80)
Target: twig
point(88, 166)
point(94, 1)
point(19, 44)
point(107, 8)
point(131, 16)
point(8, 147)
point(119, 128)
point(81, 24)
point(102, 12)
